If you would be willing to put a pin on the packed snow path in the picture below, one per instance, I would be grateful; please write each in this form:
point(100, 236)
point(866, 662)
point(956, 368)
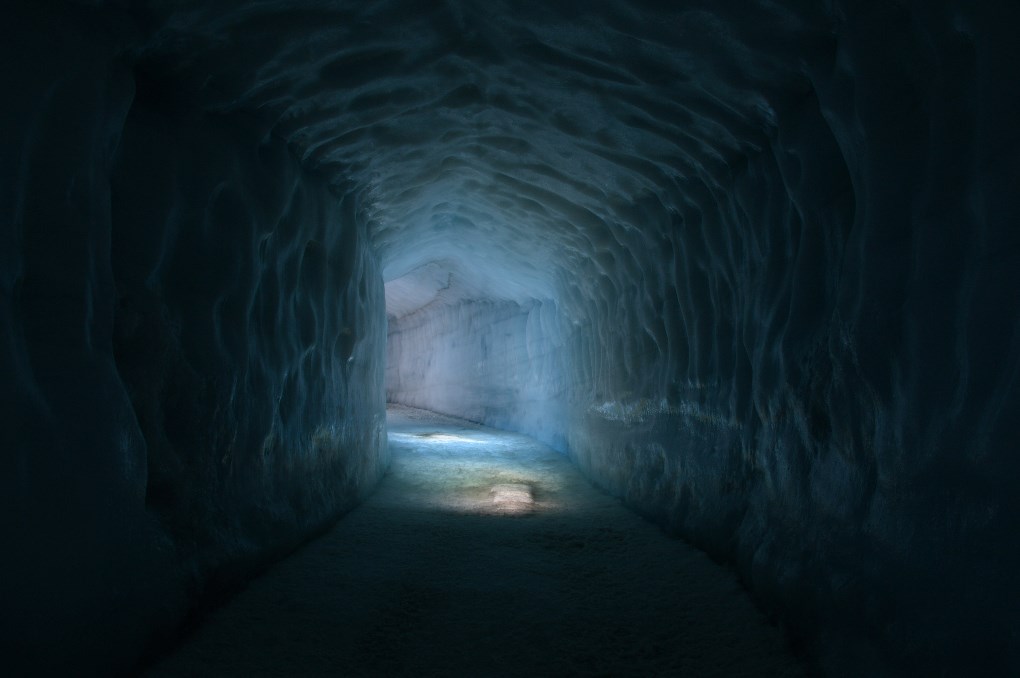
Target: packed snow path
point(485, 553)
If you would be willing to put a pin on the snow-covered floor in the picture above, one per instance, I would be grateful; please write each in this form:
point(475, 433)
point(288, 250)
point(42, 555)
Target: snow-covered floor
point(485, 553)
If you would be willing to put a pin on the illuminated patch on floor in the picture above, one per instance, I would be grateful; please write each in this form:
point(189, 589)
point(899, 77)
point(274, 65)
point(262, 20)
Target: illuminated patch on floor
point(511, 497)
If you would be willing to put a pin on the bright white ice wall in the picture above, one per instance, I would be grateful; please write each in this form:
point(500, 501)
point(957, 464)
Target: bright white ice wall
point(498, 363)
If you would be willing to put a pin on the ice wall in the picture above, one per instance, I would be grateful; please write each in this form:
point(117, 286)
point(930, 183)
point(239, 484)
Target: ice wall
point(499, 363)
point(192, 346)
point(823, 376)
point(779, 237)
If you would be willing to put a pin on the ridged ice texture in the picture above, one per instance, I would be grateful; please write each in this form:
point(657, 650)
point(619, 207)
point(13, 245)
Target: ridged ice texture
point(248, 331)
point(192, 334)
point(783, 235)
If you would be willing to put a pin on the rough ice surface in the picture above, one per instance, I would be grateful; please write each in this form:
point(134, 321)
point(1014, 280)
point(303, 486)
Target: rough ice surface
point(193, 350)
point(777, 241)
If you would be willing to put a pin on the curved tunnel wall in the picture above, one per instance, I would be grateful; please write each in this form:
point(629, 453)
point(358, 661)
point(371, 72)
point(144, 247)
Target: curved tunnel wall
point(247, 332)
point(779, 240)
point(193, 354)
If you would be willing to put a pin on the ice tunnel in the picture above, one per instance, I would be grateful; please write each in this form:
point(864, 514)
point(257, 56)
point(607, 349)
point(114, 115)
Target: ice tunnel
point(752, 266)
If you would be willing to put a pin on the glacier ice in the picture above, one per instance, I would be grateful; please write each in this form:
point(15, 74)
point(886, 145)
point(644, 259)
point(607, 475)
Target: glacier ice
point(750, 265)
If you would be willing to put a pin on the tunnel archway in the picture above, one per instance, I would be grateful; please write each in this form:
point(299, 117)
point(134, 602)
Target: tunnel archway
point(750, 265)
point(476, 353)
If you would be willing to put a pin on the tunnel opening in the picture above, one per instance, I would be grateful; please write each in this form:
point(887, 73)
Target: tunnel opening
point(459, 344)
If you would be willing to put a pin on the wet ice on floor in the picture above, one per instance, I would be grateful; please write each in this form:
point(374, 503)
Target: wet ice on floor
point(485, 553)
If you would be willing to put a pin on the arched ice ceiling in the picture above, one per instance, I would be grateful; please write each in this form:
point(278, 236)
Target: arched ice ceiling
point(500, 141)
